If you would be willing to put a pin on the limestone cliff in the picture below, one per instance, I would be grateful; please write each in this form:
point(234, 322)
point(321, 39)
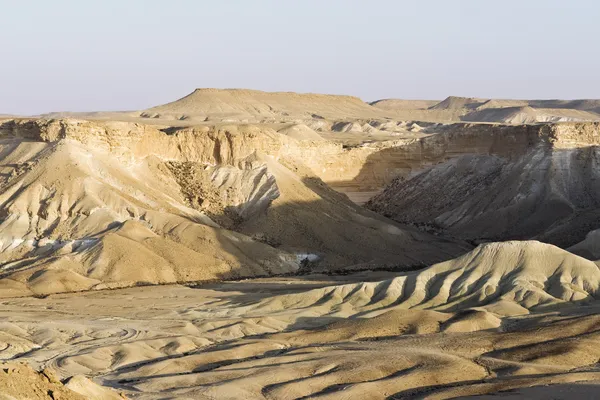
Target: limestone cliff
point(498, 183)
point(108, 204)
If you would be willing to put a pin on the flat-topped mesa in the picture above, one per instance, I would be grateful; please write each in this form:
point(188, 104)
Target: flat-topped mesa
point(403, 104)
point(254, 92)
point(254, 105)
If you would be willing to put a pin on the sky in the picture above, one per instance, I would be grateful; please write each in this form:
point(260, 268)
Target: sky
point(100, 55)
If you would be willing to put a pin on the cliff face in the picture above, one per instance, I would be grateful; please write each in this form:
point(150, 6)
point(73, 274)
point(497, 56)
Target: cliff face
point(371, 167)
point(108, 204)
point(219, 202)
point(227, 144)
point(499, 183)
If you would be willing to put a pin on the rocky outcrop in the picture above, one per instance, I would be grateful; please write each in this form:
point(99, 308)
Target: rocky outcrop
point(501, 183)
point(20, 381)
point(371, 166)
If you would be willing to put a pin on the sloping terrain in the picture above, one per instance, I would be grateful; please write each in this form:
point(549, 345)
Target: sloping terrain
point(320, 112)
point(505, 111)
point(230, 268)
point(543, 186)
point(504, 316)
point(521, 111)
point(456, 102)
point(588, 247)
point(300, 132)
point(19, 381)
point(503, 277)
point(469, 103)
point(401, 104)
point(528, 115)
point(253, 105)
point(592, 105)
point(94, 205)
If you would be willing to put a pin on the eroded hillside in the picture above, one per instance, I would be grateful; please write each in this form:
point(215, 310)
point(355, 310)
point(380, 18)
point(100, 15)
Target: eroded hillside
point(505, 183)
point(109, 204)
point(243, 105)
point(505, 316)
point(274, 285)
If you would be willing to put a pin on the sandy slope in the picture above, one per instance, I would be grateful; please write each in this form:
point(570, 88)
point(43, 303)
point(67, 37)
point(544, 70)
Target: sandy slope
point(528, 115)
point(504, 316)
point(455, 108)
point(300, 132)
point(252, 105)
point(456, 102)
point(401, 104)
point(95, 205)
point(209, 106)
point(506, 277)
point(115, 205)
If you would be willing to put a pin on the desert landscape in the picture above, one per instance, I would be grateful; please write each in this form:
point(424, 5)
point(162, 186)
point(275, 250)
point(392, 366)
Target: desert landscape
point(241, 244)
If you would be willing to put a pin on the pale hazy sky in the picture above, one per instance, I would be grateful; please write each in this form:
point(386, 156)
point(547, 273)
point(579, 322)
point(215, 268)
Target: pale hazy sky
point(58, 55)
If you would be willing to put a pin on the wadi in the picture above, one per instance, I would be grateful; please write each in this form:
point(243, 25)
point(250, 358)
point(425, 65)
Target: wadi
point(241, 244)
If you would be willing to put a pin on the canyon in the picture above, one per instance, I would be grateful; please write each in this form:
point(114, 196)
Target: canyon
point(245, 244)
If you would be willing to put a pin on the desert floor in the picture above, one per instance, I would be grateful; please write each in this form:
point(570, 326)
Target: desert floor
point(315, 336)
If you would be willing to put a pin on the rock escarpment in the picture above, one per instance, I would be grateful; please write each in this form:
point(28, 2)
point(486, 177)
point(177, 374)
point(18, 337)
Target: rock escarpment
point(108, 204)
point(537, 181)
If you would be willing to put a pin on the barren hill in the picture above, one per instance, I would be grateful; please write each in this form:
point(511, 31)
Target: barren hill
point(209, 106)
point(253, 105)
point(506, 278)
point(401, 104)
point(580, 104)
point(506, 111)
point(471, 103)
point(457, 103)
point(528, 115)
point(267, 283)
point(95, 205)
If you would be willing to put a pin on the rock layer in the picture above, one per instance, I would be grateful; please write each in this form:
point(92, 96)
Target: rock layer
point(108, 204)
point(505, 183)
